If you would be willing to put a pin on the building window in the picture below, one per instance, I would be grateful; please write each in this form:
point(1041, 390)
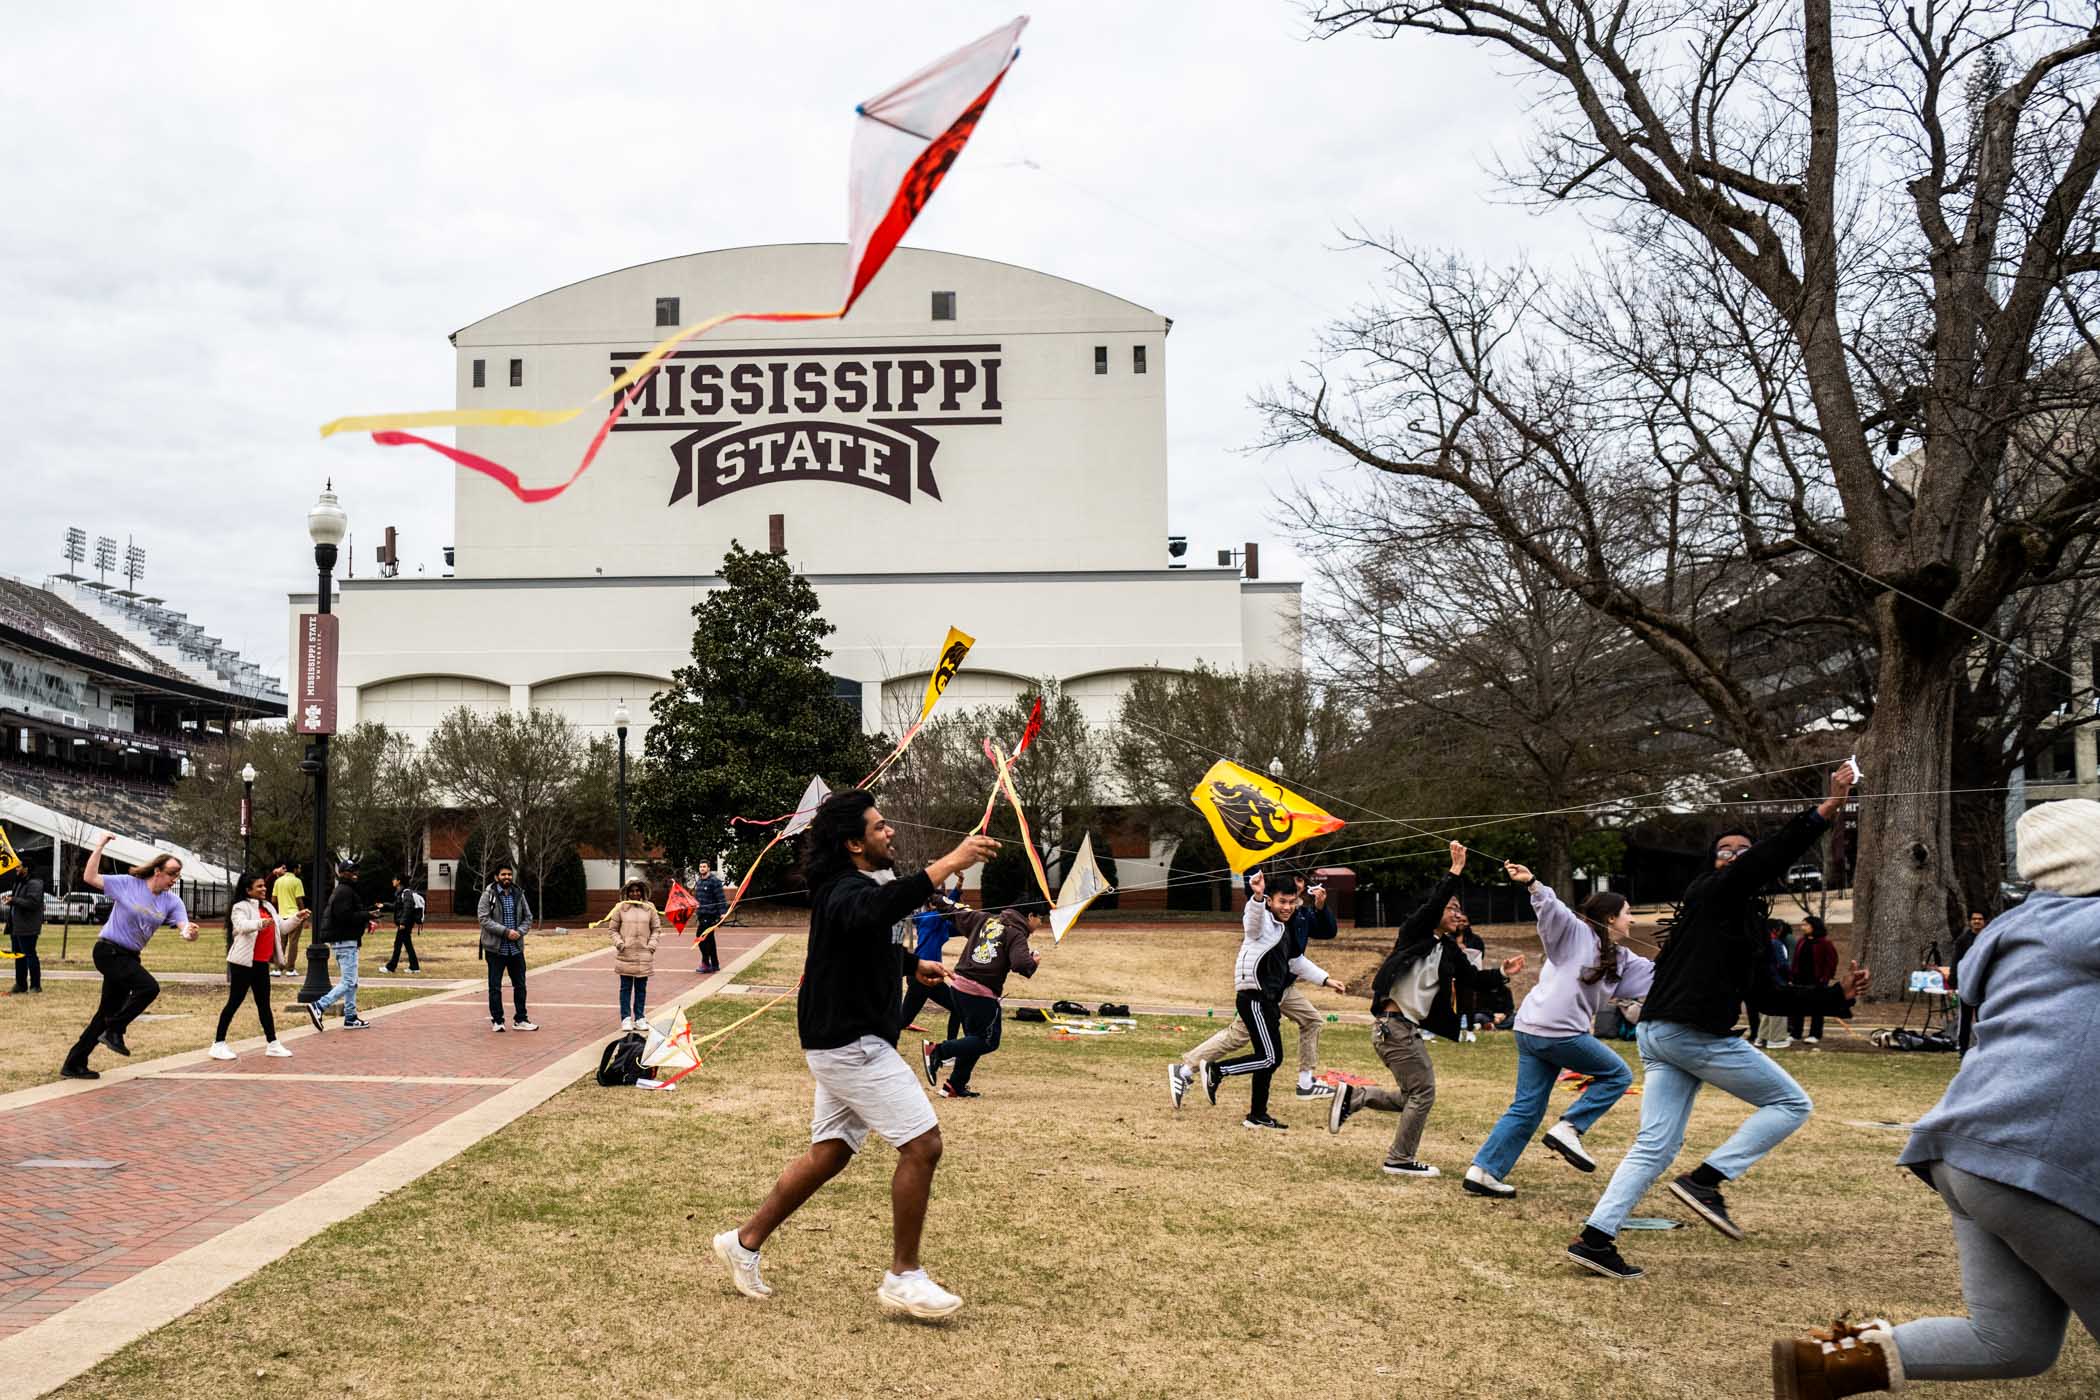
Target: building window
point(1137, 359)
point(667, 311)
point(1101, 359)
point(847, 693)
point(517, 374)
point(944, 306)
point(481, 374)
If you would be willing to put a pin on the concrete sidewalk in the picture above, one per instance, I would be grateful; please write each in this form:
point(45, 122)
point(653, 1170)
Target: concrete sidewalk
point(134, 1198)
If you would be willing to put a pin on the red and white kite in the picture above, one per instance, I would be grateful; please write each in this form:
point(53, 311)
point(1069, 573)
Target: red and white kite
point(905, 141)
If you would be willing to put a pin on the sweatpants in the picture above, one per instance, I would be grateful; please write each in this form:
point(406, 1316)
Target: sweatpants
point(1400, 1046)
point(514, 964)
point(981, 1026)
point(29, 968)
point(1232, 1036)
point(127, 990)
point(917, 994)
point(242, 980)
point(404, 942)
point(2026, 1266)
point(1264, 1019)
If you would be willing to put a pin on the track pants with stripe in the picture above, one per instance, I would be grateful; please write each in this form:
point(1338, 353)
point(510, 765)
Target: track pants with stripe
point(1263, 1017)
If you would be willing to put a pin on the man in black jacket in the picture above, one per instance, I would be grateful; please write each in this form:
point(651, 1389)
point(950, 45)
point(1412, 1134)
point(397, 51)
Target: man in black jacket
point(1416, 989)
point(710, 905)
point(1715, 961)
point(25, 922)
point(846, 1013)
point(408, 912)
point(344, 924)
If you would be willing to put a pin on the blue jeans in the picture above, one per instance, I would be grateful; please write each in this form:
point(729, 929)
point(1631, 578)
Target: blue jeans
point(345, 988)
point(1540, 1059)
point(634, 995)
point(1676, 1060)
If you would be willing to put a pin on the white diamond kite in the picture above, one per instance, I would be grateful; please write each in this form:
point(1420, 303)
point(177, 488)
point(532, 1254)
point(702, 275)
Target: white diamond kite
point(1084, 883)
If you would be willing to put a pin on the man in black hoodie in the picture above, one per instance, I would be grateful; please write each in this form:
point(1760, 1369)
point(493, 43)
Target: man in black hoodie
point(846, 1014)
point(1715, 961)
point(1416, 989)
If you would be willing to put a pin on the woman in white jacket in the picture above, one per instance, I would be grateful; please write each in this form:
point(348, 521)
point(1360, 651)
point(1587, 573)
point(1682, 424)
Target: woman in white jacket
point(253, 934)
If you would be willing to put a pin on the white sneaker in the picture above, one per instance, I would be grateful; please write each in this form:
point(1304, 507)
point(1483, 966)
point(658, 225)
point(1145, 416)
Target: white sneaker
point(1563, 1139)
point(220, 1051)
point(1179, 1077)
point(1479, 1182)
point(1467, 1037)
point(1416, 1169)
point(1779, 1044)
point(627, 1023)
point(276, 1051)
point(523, 1026)
point(743, 1265)
point(915, 1294)
point(1810, 1040)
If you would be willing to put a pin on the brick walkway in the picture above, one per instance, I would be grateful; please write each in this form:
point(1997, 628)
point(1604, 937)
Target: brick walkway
point(145, 1168)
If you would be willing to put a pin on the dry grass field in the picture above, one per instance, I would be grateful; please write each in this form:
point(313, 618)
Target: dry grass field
point(1105, 1245)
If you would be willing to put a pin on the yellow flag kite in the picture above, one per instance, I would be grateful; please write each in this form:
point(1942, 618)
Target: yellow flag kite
point(1255, 819)
point(954, 648)
point(9, 861)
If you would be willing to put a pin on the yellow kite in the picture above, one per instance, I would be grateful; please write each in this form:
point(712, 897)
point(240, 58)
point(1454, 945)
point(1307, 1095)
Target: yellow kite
point(1254, 818)
point(9, 861)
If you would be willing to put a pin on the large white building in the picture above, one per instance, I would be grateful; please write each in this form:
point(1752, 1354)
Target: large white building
point(978, 444)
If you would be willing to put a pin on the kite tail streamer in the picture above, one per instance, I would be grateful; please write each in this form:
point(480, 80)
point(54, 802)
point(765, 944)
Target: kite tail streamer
point(723, 1034)
point(1035, 860)
point(1028, 733)
point(736, 896)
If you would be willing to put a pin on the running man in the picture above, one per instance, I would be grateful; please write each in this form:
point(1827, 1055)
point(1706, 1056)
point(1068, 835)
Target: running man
point(142, 903)
point(846, 1014)
point(1313, 919)
point(993, 946)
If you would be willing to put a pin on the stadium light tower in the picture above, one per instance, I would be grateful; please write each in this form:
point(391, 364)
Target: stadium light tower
point(75, 552)
point(326, 524)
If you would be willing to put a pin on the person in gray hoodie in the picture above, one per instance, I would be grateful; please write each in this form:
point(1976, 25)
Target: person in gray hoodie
point(2009, 1147)
point(506, 917)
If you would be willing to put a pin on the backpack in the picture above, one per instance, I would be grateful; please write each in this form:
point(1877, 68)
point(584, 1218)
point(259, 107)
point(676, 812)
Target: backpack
point(1068, 1008)
point(420, 905)
point(621, 1063)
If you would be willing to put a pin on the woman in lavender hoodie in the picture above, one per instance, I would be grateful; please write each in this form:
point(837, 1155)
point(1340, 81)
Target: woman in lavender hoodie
point(1585, 964)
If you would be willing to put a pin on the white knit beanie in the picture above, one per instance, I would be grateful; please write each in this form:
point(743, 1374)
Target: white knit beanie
point(2060, 846)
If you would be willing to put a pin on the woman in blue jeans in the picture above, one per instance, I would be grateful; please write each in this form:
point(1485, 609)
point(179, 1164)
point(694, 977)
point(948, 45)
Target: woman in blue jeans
point(1585, 964)
point(1716, 961)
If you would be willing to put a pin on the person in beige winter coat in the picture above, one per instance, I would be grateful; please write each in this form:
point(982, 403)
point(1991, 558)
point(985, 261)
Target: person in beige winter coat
point(636, 926)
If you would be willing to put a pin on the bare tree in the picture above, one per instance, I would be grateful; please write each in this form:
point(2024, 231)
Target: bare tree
point(520, 773)
point(1827, 232)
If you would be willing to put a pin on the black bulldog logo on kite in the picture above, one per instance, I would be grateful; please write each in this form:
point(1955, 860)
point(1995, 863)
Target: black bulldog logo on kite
point(1256, 820)
point(951, 662)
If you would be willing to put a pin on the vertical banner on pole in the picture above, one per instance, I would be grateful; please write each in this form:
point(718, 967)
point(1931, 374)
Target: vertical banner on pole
point(313, 707)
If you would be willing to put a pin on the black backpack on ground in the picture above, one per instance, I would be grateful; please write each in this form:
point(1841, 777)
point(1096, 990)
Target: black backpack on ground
point(621, 1064)
point(1068, 1008)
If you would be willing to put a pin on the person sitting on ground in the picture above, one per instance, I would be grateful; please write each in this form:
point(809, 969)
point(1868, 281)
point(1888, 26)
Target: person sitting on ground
point(1415, 992)
point(2009, 1146)
point(1717, 960)
point(637, 924)
point(993, 945)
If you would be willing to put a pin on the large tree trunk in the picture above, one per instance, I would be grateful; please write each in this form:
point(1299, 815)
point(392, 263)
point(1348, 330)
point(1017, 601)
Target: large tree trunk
point(1555, 867)
point(1905, 891)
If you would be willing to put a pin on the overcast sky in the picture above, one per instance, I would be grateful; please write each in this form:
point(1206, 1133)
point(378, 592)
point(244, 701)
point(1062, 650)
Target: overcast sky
point(226, 224)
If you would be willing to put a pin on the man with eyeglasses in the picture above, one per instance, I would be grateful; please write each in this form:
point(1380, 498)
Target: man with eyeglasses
point(1714, 964)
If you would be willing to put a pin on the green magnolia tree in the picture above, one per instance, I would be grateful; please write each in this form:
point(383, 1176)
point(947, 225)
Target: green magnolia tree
point(745, 726)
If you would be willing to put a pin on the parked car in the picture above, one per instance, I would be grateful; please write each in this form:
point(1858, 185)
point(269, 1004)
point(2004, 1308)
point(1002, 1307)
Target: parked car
point(1805, 877)
point(80, 907)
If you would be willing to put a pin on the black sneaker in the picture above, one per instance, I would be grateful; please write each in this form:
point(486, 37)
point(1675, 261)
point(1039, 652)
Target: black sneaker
point(1211, 1080)
point(78, 1072)
point(929, 1056)
point(356, 1023)
point(949, 1091)
point(1263, 1120)
point(116, 1043)
point(1706, 1202)
point(1603, 1259)
point(1342, 1108)
point(313, 1013)
point(1317, 1090)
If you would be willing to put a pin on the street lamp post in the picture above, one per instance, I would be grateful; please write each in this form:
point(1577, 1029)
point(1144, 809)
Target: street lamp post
point(326, 523)
point(247, 818)
point(620, 718)
point(1276, 769)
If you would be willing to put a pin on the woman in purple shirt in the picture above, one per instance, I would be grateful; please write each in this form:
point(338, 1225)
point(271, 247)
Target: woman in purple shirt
point(143, 902)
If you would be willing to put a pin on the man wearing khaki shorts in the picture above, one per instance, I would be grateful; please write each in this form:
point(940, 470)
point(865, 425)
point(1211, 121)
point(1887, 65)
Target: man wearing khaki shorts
point(846, 1013)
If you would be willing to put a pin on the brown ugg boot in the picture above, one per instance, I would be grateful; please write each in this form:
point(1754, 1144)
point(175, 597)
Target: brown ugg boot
point(1847, 1359)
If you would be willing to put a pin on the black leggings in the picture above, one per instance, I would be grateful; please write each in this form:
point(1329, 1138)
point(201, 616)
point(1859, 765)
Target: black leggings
point(403, 941)
point(127, 990)
point(1263, 1017)
point(29, 968)
point(240, 982)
